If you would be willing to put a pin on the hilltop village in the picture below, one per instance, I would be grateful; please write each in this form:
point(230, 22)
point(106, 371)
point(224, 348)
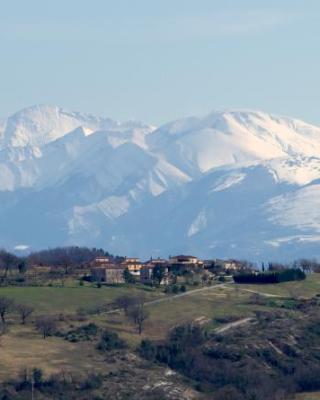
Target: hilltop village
point(160, 271)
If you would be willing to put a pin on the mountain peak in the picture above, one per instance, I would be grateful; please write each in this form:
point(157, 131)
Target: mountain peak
point(230, 137)
point(94, 180)
point(41, 124)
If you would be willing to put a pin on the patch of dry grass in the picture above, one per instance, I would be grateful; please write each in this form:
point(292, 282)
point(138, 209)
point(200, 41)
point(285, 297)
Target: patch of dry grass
point(22, 347)
point(308, 396)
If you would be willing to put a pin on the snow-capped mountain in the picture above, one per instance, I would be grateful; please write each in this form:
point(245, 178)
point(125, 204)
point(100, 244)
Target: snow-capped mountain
point(230, 184)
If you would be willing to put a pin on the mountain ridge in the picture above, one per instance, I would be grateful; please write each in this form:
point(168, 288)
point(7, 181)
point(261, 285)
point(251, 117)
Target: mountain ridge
point(81, 179)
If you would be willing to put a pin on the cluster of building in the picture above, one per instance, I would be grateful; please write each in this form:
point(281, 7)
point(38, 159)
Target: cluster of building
point(105, 270)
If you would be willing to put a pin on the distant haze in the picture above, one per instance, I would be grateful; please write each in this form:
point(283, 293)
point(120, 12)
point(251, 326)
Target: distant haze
point(159, 60)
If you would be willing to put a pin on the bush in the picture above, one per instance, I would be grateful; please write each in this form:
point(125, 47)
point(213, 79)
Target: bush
point(308, 379)
point(110, 341)
point(83, 333)
point(175, 289)
point(37, 376)
point(148, 350)
point(225, 319)
point(94, 381)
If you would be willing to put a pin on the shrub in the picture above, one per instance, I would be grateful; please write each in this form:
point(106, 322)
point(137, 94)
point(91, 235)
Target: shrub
point(225, 319)
point(82, 333)
point(110, 341)
point(37, 376)
point(94, 381)
point(148, 350)
point(175, 289)
point(308, 378)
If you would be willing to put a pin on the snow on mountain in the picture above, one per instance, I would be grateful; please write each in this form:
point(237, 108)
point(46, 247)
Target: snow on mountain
point(40, 145)
point(39, 125)
point(229, 184)
point(245, 219)
point(298, 209)
point(197, 145)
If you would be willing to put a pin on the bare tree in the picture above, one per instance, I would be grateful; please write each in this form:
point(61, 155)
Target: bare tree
point(46, 325)
point(124, 302)
point(306, 265)
point(138, 313)
point(6, 305)
point(25, 311)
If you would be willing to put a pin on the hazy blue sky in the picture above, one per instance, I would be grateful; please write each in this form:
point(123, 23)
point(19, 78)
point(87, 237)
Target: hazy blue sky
point(157, 60)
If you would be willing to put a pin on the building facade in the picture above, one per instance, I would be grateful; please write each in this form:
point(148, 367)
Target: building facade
point(110, 274)
point(183, 263)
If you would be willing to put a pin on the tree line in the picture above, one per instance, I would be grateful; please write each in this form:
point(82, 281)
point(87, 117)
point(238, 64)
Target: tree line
point(63, 257)
point(290, 274)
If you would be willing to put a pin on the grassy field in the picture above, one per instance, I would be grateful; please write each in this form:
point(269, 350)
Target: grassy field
point(22, 346)
point(200, 307)
point(69, 299)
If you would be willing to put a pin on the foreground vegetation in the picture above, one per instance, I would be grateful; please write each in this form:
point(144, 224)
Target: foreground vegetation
point(64, 337)
point(69, 350)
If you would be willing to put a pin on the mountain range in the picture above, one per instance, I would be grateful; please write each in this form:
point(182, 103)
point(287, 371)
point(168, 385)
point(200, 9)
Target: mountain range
point(235, 183)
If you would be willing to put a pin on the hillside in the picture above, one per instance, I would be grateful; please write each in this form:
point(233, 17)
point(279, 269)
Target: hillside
point(215, 342)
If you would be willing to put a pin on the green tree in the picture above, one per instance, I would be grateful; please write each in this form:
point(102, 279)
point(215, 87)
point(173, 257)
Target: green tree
point(22, 267)
point(158, 274)
point(128, 277)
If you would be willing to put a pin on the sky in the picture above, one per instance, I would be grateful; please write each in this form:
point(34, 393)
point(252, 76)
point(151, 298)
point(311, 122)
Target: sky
point(158, 60)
